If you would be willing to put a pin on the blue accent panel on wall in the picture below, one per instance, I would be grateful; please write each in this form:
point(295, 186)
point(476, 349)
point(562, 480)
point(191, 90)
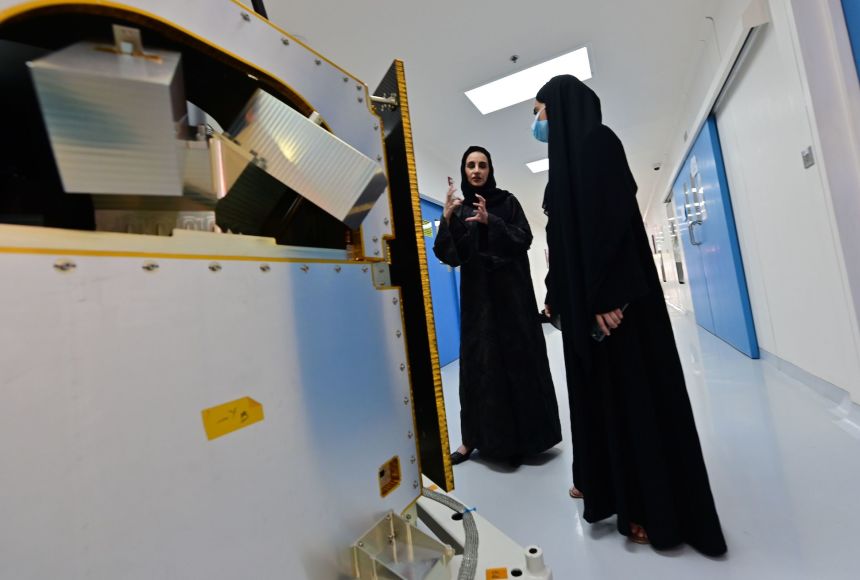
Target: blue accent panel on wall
point(852, 20)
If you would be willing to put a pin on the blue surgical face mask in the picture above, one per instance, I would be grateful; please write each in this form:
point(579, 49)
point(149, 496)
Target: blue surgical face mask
point(540, 128)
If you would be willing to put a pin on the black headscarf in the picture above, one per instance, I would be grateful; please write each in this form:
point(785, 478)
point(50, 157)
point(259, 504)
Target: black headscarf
point(590, 200)
point(488, 191)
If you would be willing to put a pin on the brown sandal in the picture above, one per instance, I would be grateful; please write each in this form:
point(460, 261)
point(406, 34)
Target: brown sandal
point(638, 535)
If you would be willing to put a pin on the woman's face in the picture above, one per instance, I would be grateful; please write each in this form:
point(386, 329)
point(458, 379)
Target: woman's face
point(477, 169)
point(539, 107)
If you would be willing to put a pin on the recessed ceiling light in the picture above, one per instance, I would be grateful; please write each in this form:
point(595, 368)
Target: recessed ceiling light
point(523, 85)
point(539, 165)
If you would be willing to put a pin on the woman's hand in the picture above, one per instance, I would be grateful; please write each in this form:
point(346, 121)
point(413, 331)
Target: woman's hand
point(480, 211)
point(609, 320)
point(451, 203)
point(546, 310)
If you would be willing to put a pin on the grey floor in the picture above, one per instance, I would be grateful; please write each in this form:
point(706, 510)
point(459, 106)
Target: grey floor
point(784, 471)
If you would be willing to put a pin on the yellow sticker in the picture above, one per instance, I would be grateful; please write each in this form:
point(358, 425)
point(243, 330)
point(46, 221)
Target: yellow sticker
point(495, 573)
point(231, 417)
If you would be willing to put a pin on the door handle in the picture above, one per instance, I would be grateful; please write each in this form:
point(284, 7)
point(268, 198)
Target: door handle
point(693, 239)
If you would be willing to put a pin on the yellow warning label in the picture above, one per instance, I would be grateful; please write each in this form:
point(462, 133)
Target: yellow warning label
point(231, 417)
point(496, 573)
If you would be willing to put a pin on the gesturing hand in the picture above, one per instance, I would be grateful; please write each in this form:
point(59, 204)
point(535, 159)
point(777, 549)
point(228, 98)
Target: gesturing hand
point(480, 211)
point(451, 202)
point(609, 320)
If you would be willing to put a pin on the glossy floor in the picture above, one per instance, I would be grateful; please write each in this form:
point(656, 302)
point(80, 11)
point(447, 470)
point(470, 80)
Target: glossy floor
point(785, 473)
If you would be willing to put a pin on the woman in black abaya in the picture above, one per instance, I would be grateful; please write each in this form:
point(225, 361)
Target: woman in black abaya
point(508, 408)
point(636, 449)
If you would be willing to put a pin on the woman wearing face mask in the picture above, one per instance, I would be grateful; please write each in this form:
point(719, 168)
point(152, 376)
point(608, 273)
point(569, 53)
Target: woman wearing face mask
point(508, 409)
point(635, 444)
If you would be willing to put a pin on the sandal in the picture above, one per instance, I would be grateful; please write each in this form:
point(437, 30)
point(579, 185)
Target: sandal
point(638, 535)
point(457, 458)
point(575, 493)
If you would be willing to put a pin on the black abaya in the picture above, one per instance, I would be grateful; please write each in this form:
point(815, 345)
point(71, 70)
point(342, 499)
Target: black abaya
point(507, 400)
point(636, 448)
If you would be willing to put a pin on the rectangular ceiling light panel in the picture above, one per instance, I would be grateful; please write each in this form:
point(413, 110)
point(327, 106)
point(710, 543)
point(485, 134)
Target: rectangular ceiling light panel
point(523, 85)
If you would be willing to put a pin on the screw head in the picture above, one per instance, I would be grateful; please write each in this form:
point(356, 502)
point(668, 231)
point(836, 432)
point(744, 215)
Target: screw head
point(405, 400)
point(379, 157)
point(360, 99)
point(214, 267)
point(402, 367)
point(412, 460)
point(338, 269)
point(399, 334)
point(265, 267)
point(150, 267)
point(285, 41)
point(304, 268)
point(394, 300)
point(386, 221)
point(246, 17)
point(415, 484)
point(365, 269)
point(410, 435)
point(317, 62)
point(64, 265)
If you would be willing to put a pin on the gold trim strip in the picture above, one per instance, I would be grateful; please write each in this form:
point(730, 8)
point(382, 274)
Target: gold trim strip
point(425, 274)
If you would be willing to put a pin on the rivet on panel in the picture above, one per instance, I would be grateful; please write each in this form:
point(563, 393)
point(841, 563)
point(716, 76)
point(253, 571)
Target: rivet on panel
point(360, 99)
point(379, 157)
point(246, 17)
point(265, 267)
point(375, 240)
point(402, 367)
point(376, 127)
point(318, 62)
point(345, 79)
point(337, 269)
point(215, 267)
point(64, 265)
point(376, 253)
point(304, 268)
point(386, 221)
point(399, 334)
point(358, 87)
point(365, 269)
point(150, 267)
point(285, 41)
point(415, 484)
point(412, 460)
point(410, 435)
point(394, 300)
point(405, 400)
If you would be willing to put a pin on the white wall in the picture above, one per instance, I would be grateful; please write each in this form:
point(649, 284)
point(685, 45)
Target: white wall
point(794, 256)
point(788, 237)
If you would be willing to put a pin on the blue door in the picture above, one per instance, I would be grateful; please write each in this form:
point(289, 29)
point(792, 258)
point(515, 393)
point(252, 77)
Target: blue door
point(681, 196)
point(444, 287)
point(714, 264)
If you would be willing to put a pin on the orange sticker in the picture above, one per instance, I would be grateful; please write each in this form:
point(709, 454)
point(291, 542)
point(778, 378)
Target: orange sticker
point(496, 573)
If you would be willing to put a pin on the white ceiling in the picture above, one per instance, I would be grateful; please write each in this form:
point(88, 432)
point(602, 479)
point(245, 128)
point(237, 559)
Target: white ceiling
point(642, 55)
